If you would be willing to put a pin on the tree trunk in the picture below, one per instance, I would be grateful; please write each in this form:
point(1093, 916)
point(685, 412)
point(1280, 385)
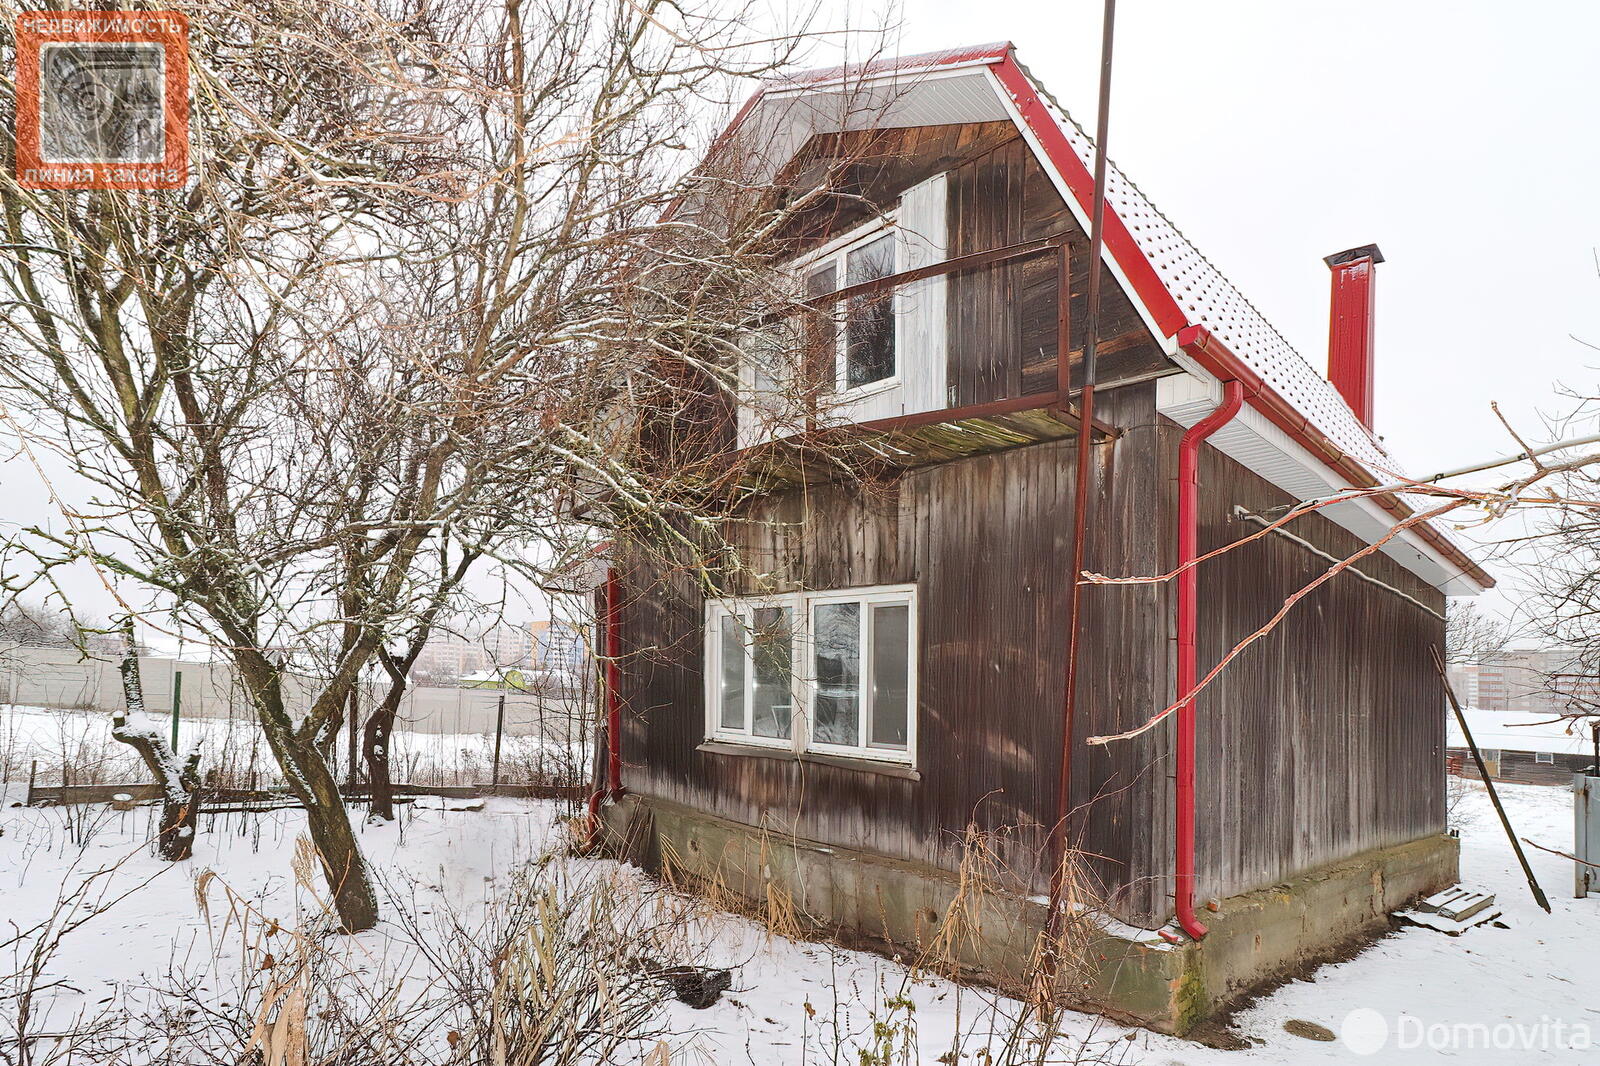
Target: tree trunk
point(313, 783)
point(179, 782)
point(179, 822)
point(375, 750)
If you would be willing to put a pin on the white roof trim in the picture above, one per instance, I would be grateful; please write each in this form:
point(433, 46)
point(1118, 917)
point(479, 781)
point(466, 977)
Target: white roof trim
point(1254, 442)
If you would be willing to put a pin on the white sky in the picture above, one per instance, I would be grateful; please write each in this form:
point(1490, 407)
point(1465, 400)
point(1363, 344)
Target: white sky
point(1458, 136)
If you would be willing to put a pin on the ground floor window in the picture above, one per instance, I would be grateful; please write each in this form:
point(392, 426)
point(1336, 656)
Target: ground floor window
point(1545, 757)
point(819, 671)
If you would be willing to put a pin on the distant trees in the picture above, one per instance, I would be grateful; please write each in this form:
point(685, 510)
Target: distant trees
point(418, 307)
point(33, 625)
point(1470, 635)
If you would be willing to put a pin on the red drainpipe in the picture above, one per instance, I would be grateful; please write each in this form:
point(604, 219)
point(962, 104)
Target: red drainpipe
point(1188, 594)
point(613, 787)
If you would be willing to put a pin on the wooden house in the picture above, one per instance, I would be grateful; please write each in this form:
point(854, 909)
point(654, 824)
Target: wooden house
point(1527, 749)
point(886, 681)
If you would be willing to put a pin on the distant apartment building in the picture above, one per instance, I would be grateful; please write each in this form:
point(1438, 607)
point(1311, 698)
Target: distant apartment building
point(560, 648)
point(1537, 681)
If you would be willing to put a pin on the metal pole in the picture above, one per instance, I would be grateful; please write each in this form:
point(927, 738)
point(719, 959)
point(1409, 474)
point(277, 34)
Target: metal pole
point(499, 729)
point(1483, 772)
point(1083, 500)
point(177, 698)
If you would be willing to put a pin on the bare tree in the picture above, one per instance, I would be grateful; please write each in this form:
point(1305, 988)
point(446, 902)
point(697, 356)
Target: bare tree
point(442, 283)
point(35, 625)
point(178, 778)
point(1470, 635)
point(397, 665)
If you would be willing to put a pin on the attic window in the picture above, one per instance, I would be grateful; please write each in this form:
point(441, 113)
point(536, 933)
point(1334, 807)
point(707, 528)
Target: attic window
point(869, 321)
point(863, 348)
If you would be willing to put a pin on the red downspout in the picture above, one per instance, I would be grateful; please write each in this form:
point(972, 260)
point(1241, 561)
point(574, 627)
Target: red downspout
point(1188, 594)
point(613, 787)
point(613, 680)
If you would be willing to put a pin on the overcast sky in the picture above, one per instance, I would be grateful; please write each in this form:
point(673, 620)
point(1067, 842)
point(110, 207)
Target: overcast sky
point(1458, 136)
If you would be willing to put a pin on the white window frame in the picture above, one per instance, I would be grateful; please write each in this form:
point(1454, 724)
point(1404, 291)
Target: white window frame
point(744, 608)
point(1544, 758)
point(837, 253)
point(802, 674)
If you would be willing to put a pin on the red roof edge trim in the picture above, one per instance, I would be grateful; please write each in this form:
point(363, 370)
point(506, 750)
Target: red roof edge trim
point(1204, 347)
point(1147, 285)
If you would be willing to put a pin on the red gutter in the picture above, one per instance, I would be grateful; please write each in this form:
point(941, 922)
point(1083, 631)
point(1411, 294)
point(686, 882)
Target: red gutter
point(613, 788)
point(1188, 622)
point(1204, 347)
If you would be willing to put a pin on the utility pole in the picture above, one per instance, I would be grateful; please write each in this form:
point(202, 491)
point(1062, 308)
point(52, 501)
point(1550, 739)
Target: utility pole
point(177, 701)
point(499, 728)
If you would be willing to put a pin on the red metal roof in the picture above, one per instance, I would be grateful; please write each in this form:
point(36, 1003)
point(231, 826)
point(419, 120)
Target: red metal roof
point(1182, 292)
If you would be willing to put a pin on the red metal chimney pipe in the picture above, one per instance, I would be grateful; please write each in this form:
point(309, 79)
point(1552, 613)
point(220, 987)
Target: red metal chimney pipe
point(1350, 317)
point(1188, 622)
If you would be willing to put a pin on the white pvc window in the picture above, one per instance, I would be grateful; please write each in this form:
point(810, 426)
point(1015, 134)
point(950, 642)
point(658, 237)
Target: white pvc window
point(751, 648)
point(865, 352)
point(831, 672)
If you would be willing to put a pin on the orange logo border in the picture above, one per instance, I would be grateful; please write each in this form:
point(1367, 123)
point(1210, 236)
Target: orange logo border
point(170, 29)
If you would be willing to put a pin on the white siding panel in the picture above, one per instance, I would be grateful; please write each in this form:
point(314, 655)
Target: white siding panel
point(923, 339)
point(1254, 442)
point(920, 337)
point(921, 342)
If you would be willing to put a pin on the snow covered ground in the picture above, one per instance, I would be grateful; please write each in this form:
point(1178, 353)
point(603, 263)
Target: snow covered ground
point(1530, 989)
point(76, 745)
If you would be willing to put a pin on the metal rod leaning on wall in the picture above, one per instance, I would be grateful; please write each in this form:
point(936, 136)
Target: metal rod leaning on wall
point(1488, 782)
point(1083, 496)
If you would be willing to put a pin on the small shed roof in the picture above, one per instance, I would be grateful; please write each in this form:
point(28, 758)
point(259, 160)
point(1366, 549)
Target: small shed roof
point(1520, 731)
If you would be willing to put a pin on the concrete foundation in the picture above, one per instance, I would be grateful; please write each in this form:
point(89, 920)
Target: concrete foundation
point(948, 923)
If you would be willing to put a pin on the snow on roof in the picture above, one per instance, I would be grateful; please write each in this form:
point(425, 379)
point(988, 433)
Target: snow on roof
point(1519, 731)
point(1204, 296)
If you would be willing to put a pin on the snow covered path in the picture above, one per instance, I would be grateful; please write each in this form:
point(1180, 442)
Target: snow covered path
point(799, 1002)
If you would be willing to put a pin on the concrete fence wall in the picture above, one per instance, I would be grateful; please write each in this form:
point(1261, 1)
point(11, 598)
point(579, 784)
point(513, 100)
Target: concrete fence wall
point(62, 678)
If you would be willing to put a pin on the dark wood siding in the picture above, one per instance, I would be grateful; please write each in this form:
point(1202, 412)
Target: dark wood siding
point(1321, 741)
point(1524, 767)
point(1002, 320)
point(986, 540)
point(1325, 738)
point(868, 170)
